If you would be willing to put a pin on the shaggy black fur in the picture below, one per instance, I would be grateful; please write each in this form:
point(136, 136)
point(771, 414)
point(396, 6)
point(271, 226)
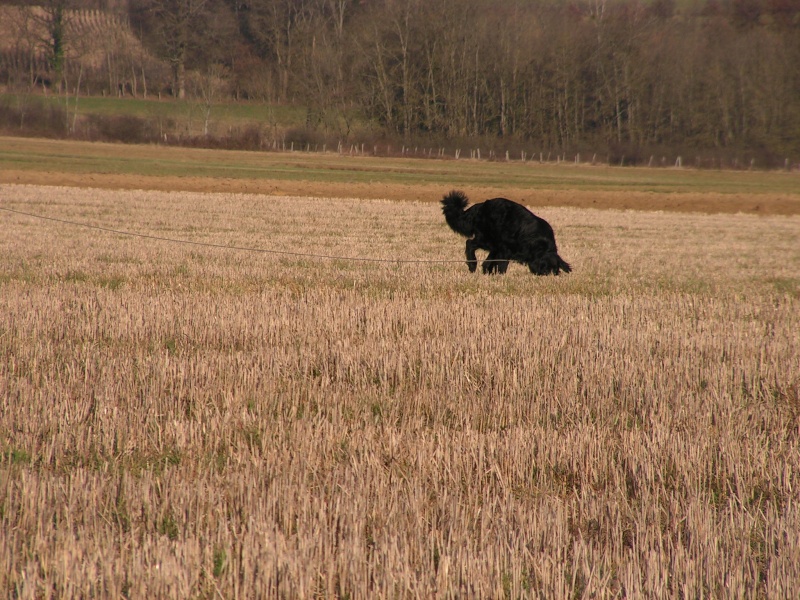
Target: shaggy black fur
point(507, 230)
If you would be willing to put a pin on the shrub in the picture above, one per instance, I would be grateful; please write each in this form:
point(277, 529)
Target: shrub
point(121, 128)
point(33, 118)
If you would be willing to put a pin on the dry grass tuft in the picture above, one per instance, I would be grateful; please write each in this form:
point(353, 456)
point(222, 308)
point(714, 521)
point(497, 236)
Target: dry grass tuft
point(185, 421)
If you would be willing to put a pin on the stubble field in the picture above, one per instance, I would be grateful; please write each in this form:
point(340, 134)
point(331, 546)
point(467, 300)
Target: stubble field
point(183, 420)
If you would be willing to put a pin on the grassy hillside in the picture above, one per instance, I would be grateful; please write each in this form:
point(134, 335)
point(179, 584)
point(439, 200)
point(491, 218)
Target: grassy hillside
point(352, 175)
point(111, 118)
point(333, 166)
point(224, 113)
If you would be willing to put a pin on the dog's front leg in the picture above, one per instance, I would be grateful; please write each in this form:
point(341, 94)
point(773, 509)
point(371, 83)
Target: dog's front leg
point(472, 260)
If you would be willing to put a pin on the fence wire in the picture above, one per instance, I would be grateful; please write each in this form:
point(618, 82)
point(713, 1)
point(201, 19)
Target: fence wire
point(241, 248)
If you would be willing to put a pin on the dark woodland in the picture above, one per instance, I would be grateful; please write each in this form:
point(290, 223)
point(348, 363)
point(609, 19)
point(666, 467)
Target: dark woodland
point(627, 78)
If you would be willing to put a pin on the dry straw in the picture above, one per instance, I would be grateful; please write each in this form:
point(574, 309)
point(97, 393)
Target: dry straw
point(180, 421)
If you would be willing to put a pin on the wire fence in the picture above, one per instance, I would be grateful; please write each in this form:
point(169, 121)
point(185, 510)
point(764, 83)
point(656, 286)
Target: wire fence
point(240, 248)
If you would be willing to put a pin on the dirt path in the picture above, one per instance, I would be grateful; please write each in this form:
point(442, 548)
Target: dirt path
point(765, 204)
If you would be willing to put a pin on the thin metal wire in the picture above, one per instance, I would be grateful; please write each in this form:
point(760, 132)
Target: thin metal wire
point(238, 248)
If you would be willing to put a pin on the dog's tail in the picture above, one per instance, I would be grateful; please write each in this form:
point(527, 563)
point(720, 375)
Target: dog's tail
point(453, 207)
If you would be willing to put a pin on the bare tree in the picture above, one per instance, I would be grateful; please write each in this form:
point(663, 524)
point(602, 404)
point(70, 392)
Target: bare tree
point(211, 87)
point(277, 28)
point(23, 58)
point(174, 27)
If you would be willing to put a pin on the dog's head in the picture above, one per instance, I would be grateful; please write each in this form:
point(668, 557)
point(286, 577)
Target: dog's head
point(548, 264)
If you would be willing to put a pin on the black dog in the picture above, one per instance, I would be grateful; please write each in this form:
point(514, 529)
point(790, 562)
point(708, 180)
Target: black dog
point(507, 230)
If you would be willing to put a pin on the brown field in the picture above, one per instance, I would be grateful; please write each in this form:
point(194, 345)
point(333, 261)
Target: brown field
point(686, 202)
point(194, 421)
point(330, 175)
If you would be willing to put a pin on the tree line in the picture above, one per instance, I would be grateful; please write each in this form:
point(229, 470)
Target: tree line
point(623, 76)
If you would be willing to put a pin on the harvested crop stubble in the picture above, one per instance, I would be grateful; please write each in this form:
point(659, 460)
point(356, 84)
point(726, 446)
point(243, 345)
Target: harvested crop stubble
point(184, 420)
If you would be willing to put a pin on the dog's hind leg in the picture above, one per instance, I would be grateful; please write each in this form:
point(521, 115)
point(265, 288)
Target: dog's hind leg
point(494, 263)
point(472, 260)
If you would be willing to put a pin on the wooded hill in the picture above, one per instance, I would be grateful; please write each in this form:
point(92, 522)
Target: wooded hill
point(628, 77)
